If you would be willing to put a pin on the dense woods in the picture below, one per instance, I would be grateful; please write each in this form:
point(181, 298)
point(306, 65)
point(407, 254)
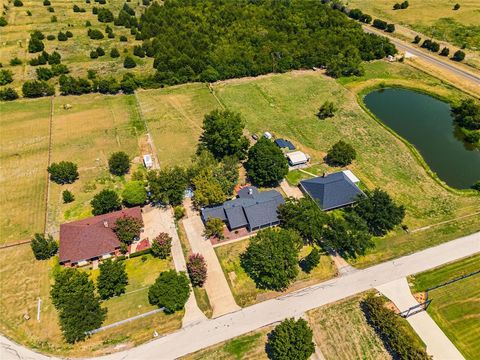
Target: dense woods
point(215, 39)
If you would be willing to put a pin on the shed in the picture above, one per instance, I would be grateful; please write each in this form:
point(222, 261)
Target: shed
point(282, 144)
point(267, 135)
point(351, 176)
point(148, 161)
point(297, 158)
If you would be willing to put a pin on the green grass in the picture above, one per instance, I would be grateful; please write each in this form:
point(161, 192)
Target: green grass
point(203, 301)
point(455, 307)
point(243, 287)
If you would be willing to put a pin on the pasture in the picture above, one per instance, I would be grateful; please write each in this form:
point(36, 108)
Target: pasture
point(76, 50)
point(455, 307)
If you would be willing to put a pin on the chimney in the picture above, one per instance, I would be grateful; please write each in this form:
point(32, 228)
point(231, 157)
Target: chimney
point(105, 223)
point(250, 191)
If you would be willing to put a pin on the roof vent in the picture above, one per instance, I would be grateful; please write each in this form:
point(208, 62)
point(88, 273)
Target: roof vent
point(105, 223)
point(250, 191)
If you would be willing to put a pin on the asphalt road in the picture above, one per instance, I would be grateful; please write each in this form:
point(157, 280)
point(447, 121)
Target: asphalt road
point(209, 332)
point(446, 64)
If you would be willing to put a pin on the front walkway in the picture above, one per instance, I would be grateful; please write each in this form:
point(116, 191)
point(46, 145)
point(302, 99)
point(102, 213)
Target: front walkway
point(438, 344)
point(216, 286)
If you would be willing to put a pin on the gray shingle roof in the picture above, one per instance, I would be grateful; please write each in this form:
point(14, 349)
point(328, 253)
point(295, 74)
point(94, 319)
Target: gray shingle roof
point(332, 191)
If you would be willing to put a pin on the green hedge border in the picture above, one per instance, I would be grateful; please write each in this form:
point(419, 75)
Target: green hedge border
point(416, 154)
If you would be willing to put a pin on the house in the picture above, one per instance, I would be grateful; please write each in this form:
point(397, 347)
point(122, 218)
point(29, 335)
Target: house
point(252, 209)
point(284, 144)
point(332, 191)
point(87, 240)
point(148, 161)
point(297, 158)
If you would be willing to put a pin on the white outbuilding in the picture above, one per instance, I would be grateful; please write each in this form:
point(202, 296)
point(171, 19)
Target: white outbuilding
point(148, 161)
point(351, 176)
point(267, 135)
point(297, 158)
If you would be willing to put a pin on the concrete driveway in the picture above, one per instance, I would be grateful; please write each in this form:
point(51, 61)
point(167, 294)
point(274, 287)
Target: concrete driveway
point(216, 286)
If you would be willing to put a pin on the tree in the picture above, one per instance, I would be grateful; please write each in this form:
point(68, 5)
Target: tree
point(476, 186)
point(379, 211)
point(341, 154)
point(138, 51)
point(397, 6)
point(73, 295)
point(390, 28)
point(445, 51)
point(17, 3)
point(456, 7)
point(105, 201)
point(35, 89)
point(466, 114)
point(8, 94)
point(35, 45)
point(271, 258)
point(291, 340)
point(223, 134)
point(64, 172)
point(43, 247)
point(266, 164)
point(380, 24)
point(311, 261)
point(168, 185)
point(113, 279)
point(119, 163)
point(348, 236)
point(417, 39)
point(326, 110)
point(134, 193)
point(62, 36)
point(104, 15)
point(304, 216)
point(459, 55)
point(100, 52)
point(208, 190)
point(129, 62)
point(3, 22)
point(170, 291)
point(162, 246)
point(127, 229)
point(95, 34)
point(114, 53)
point(214, 228)
point(44, 73)
point(6, 77)
point(67, 196)
point(197, 269)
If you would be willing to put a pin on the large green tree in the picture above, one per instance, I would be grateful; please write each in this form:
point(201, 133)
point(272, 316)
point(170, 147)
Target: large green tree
point(168, 185)
point(379, 211)
point(170, 291)
point(266, 164)
point(467, 114)
point(208, 190)
point(134, 193)
point(119, 163)
point(127, 228)
point(341, 154)
point(73, 295)
point(105, 201)
point(291, 340)
point(113, 279)
point(64, 172)
point(223, 134)
point(43, 247)
point(271, 258)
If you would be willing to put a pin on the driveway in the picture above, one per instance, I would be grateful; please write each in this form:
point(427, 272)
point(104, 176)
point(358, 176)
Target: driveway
point(438, 344)
point(291, 191)
point(216, 286)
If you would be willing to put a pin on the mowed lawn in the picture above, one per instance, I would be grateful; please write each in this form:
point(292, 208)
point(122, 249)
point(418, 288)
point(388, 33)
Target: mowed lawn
point(24, 131)
point(456, 307)
point(76, 51)
point(243, 287)
point(432, 17)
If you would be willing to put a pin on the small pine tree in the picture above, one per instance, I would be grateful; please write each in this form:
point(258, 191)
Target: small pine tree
point(43, 247)
point(129, 62)
point(162, 246)
point(67, 196)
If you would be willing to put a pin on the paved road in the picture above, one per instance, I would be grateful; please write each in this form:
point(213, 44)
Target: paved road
point(210, 332)
point(446, 65)
point(438, 344)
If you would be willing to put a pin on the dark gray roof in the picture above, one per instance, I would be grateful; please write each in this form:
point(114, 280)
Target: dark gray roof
point(282, 143)
point(251, 208)
point(332, 191)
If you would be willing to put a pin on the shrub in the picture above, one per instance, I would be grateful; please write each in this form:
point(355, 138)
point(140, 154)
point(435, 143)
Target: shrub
point(311, 261)
point(62, 36)
point(390, 28)
point(95, 34)
point(476, 186)
point(6, 77)
point(456, 7)
point(51, 9)
point(379, 24)
point(179, 212)
point(59, 69)
point(138, 51)
point(161, 246)
point(88, 23)
point(104, 202)
point(459, 55)
point(123, 38)
point(51, 37)
point(197, 269)
point(46, 3)
point(214, 228)
point(44, 73)
point(466, 114)
point(127, 229)
point(17, 3)
point(91, 74)
point(64, 172)
point(69, 33)
point(341, 154)
point(35, 88)
point(108, 86)
point(326, 110)
point(35, 45)
point(112, 279)
point(291, 340)
point(43, 247)
point(417, 39)
point(392, 330)
point(134, 193)
point(119, 163)
point(3, 22)
point(445, 51)
point(100, 51)
point(170, 291)
point(54, 58)
point(129, 62)
point(8, 94)
point(67, 196)
point(93, 54)
point(53, 19)
point(104, 15)
point(114, 53)
point(29, 13)
point(15, 61)
point(74, 86)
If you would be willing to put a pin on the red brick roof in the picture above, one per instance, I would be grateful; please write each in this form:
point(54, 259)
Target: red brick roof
point(93, 237)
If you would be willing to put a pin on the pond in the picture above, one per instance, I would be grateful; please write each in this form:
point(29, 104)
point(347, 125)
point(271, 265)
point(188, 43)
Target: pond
point(426, 123)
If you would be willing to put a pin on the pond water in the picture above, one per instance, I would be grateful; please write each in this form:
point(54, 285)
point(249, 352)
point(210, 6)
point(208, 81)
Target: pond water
point(426, 123)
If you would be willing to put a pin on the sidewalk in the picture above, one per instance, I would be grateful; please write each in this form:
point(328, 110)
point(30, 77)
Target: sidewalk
point(438, 344)
point(217, 288)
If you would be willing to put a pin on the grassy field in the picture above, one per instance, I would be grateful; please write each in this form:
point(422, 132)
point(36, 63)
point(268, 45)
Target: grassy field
point(243, 287)
point(76, 51)
point(435, 18)
point(24, 280)
point(247, 347)
point(455, 307)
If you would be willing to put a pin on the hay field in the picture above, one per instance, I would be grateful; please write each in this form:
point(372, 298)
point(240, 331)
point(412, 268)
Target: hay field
point(456, 307)
point(24, 131)
point(76, 51)
point(435, 18)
